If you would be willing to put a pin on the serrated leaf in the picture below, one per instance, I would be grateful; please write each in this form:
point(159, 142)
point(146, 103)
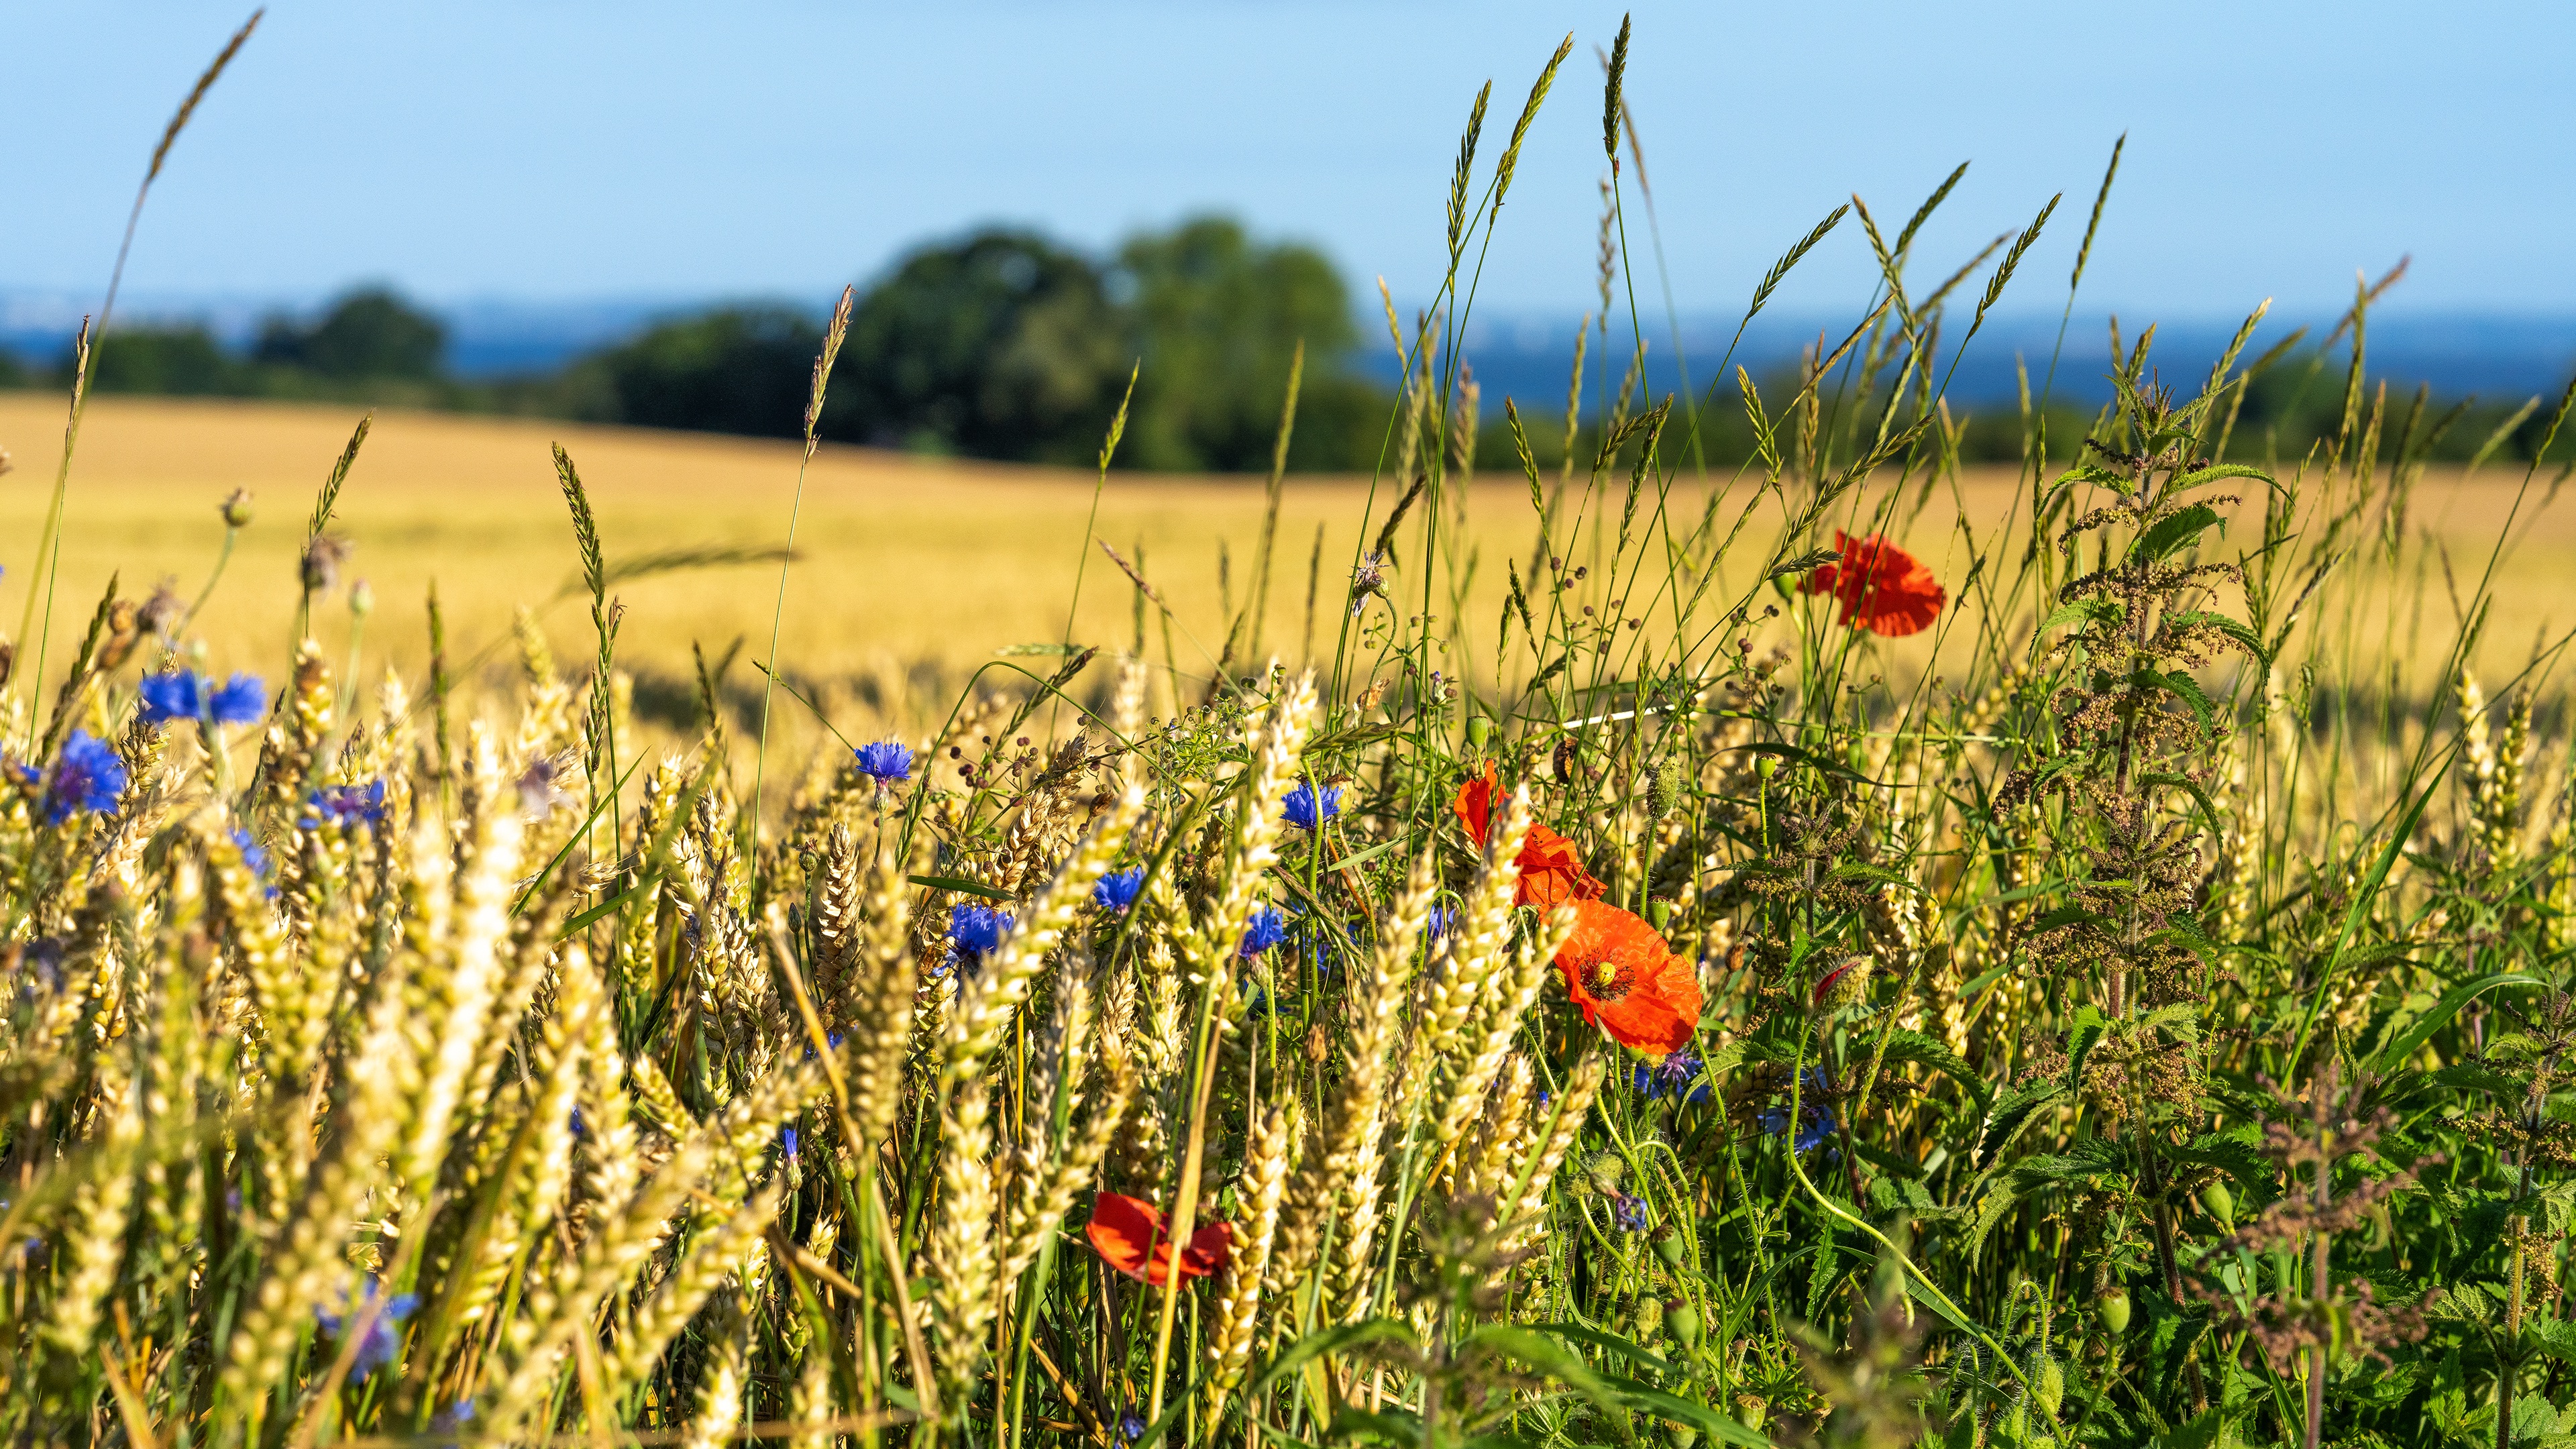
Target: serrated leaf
point(2175, 532)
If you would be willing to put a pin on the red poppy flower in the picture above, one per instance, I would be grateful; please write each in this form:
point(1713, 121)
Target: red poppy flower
point(1551, 873)
point(1125, 1230)
point(1883, 588)
point(1627, 981)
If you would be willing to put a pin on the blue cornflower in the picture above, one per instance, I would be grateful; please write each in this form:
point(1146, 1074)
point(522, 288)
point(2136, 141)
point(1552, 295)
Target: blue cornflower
point(383, 1343)
point(256, 857)
point(885, 762)
point(1816, 1124)
point(190, 695)
point(1131, 1426)
point(1676, 1075)
point(1118, 890)
point(1627, 1212)
point(1267, 928)
point(1437, 924)
point(1306, 808)
point(346, 805)
point(86, 776)
point(787, 1142)
point(579, 1127)
point(973, 931)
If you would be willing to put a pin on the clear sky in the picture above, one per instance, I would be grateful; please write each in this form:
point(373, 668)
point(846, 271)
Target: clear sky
point(565, 149)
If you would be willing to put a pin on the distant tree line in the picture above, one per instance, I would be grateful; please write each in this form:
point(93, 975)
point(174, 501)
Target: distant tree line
point(1005, 344)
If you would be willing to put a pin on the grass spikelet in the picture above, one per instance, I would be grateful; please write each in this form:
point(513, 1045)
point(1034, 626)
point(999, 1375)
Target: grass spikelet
point(1238, 1303)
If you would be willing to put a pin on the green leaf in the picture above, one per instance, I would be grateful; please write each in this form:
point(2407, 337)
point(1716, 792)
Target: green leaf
point(2085, 611)
point(1913, 1046)
point(2174, 532)
point(959, 885)
point(2237, 633)
point(1607, 1343)
point(2199, 796)
point(1331, 1341)
point(2010, 1114)
point(2199, 476)
point(2422, 1028)
point(2233, 1153)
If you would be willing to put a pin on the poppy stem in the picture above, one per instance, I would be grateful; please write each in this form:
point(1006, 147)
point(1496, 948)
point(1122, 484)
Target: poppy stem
point(1186, 1200)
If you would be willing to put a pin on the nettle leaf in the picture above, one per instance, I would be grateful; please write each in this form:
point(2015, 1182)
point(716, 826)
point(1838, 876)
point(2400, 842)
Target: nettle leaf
point(2086, 611)
point(2011, 1114)
point(1914, 1046)
point(2237, 632)
point(2217, 471)
point(2233, 1152)
point(2175, 532)
point(2183, 687)
point(2199, 796)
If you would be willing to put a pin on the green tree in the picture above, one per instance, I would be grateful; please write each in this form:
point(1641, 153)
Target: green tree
point(181, 359)
point(368, 333)
point(1002, 345)
point(738, 370)
point(1216, 317)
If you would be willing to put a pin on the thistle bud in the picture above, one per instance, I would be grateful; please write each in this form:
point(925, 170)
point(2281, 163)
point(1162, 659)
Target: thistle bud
point(236, 508)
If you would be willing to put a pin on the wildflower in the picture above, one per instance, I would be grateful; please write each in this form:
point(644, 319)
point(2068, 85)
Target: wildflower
point(1306, 809)
point(541, 791)
point(787, 1143)
point(346, 805)
point(1437, 924)
point(1816, 1124)
point(1628, 1212)
point(164, 611)
point(1627, 981)
point(88, 775)
point(1267, 928)
point(579, 1127)
point(885, 762)
point(974, 931)
point(1119, 889)
point(1127, 1232)
point(1551, 873)
point(1131, 1426)
point(1368, 578)
point(190, 695)
point(1678, 1075)
point(383, 1341)
point(1882, 588)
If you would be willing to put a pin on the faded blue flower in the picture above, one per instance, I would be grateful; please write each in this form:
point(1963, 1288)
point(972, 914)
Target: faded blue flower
point(1118, 890)
point(346, 805)
point(1816, 1124)
point(86, 776)
point(383, 1343)
point(1267, 928)
point(256, 857)
point(885, 762)
point(1306, 809)
point(1676, 1075)
point(1437, 924)
point(1628, 1212)
point(190, 695)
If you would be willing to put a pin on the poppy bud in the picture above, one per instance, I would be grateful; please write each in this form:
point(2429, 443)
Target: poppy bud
point(1767, 766)
point(1650, 1317)
point(1479, 730)
point(2115, 1311)
point(2048, 1383)
point(236, 509)
point(1844, 986)
point(2220, 1202)
point(1681, 1320)
point(1663, 791)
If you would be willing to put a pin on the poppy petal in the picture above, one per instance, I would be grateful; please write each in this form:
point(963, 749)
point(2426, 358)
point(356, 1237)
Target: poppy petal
point(1475, 803)
point(1123, 1230)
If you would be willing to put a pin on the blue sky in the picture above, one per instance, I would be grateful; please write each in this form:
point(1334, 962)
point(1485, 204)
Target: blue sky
point(561, 149)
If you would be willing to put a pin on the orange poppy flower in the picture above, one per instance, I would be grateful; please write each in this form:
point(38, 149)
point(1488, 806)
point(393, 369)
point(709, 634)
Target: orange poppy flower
point(1551, 873)
point(1627, 981)
point(1883, 588)
point(1127, 1232)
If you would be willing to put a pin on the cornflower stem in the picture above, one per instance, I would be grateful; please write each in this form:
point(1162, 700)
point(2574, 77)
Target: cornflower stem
point(1186, 1197)
point(223, 556)
point(1905, 1260)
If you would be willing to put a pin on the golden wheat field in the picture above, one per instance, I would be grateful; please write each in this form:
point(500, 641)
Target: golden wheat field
point(906, 567)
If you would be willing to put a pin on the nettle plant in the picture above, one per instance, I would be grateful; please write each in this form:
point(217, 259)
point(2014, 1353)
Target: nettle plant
point(2121, 792)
